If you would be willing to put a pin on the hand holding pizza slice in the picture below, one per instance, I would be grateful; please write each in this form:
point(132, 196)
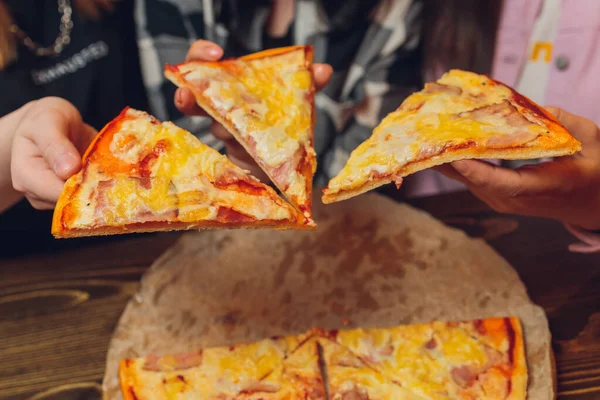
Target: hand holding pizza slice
point(461, 116)
point(139, 175)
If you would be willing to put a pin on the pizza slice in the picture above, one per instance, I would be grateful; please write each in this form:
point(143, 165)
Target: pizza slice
point(461, 116)
point(266, 101)
point(272, 369)
point(139, 175)
point(350, 377)
point(483, 359)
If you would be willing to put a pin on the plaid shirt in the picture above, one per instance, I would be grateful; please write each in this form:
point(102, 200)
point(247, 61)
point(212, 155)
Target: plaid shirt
point(372, 46)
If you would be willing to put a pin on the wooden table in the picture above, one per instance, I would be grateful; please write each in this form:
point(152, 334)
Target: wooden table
point(58, 310)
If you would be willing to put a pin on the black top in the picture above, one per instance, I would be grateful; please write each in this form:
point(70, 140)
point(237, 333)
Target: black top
point(98, 72)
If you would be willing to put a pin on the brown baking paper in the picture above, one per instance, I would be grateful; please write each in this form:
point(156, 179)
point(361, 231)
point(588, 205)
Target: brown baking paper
point(371, 261)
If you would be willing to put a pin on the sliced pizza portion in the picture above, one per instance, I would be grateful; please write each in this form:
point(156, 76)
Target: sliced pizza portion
point(140, 175)
point(350, 377)
point(272, 369)
point(461, 116)
point(266, 101)
point(482, 359)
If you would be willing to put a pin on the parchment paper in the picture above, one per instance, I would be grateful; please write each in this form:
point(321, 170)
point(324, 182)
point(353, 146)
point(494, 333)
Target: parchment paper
point(371, 261)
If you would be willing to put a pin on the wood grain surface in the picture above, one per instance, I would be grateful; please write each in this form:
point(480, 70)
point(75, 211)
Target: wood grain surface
point(59, 308)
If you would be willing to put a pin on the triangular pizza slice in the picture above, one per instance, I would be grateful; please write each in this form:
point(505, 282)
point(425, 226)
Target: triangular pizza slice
point(350, 377)
point(139, 175)
point(481, 359)
point(272, 369)
point(461, 116)
point(266, 101)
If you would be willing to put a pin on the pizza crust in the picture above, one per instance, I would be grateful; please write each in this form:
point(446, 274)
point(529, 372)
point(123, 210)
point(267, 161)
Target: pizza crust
point(449, 156)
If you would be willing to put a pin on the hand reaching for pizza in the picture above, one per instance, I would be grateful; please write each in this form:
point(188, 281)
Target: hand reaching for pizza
point(48, 137)
point(203, 50)
point(567, 189)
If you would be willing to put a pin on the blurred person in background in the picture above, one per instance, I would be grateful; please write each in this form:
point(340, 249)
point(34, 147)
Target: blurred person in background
point(83, 51)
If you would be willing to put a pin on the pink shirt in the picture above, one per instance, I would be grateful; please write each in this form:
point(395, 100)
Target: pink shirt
point(574, 82)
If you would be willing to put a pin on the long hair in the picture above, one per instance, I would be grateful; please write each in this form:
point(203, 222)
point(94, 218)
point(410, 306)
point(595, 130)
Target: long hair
point(89, 9)
point(460, 34)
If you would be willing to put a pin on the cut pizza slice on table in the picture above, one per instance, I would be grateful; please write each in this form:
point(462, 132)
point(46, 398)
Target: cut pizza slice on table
point(272, 369)
point(266, 101)
point(461, 116)
point(350, 377)
point(482, 359)
point(140, 175)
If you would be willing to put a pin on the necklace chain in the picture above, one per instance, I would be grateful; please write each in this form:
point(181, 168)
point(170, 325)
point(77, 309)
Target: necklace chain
point(61, 41)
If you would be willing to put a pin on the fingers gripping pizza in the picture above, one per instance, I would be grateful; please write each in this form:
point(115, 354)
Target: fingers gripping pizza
point(475, 360)
point(141, 175)
point(463, 115)
point(265, 100)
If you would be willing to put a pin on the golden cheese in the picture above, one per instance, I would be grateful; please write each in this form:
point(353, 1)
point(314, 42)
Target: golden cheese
point(415, 362)
point(266, 100)
point(271, 367)
point(169, 175)
point(427, 123)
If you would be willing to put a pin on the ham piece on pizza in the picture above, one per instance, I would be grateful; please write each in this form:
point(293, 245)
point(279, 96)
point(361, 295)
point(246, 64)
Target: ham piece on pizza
point(140, 175)
point(461, 116)
point(266, 101)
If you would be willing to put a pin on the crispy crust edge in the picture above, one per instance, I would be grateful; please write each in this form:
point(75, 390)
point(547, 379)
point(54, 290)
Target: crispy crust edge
point(167, 226)
point(308, 162)
point(127, 380)
point(519, 376)
point(451, 154)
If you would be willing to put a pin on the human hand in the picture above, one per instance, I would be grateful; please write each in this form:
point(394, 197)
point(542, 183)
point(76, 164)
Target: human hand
point(203, 50)
point(567, 189)
point(46, 149)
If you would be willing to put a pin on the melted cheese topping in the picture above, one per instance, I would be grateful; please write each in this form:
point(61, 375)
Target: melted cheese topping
point(266, 100)
point(350, 379)
point(402, 354)
point(409, 362)
point(267, 367)
point(428, 123)
point(159, 172)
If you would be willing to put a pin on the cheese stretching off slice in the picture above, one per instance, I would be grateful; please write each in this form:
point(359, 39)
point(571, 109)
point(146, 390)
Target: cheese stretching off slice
point(266, 101)
point(139, 175)
point(461, 116)
point(272, 369)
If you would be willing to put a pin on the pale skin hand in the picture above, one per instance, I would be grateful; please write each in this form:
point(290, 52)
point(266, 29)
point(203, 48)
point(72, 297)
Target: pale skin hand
point(566, 189)
point(47, 138)
point(203, 50)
